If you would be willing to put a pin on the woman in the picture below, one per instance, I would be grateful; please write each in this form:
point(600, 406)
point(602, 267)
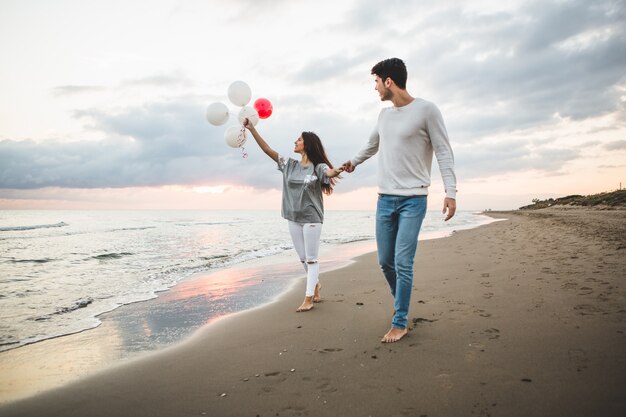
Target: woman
point(304, 182)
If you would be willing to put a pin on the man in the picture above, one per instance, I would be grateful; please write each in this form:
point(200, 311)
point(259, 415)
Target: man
point(405, 137)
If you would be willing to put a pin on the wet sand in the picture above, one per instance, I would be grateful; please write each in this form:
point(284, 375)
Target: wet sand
point(523, 317)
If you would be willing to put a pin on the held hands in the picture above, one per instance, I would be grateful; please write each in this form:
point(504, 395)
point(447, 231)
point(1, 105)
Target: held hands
point(348, 167)
point(333, 172)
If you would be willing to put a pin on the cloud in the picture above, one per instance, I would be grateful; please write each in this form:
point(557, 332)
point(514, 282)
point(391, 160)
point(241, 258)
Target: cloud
point(165, 143)
point(515, 68)
point(158, 80)
point(332, 67)
point(161, 80)
point(511, 156)
point(617, 145)
point(67, 90)
point(169, 142)
point(155, 144)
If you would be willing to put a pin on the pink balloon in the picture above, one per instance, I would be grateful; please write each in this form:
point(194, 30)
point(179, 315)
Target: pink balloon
point(263, 107)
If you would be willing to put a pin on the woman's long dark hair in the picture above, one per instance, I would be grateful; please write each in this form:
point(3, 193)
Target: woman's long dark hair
point(316, 154)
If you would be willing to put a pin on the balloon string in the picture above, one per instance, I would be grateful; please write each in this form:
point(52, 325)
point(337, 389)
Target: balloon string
point(241, 139)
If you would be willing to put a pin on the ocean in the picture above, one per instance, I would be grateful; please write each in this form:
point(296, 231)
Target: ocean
point(61, 270)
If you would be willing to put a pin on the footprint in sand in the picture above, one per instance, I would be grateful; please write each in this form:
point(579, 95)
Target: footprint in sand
point(330, 350)
point(578, 358)
point(482, 313)
point(419, 320)
point(488, 295)
point(570, 285)
point(492, 333)
point(294, 410)
point(587, 309)
point(275, 377)
point(472, 355)
point(325, 385)
point(444, 379)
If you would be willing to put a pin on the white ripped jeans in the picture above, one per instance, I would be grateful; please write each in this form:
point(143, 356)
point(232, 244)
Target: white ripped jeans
point(306, 241)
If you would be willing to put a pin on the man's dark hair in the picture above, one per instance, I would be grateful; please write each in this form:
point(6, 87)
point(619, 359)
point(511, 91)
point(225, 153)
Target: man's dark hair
point(392, 68)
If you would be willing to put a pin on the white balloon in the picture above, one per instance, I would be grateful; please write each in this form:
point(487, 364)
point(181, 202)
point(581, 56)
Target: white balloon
point(217, 114)
point(250, 113)
point(239, 93)
point(234, 137)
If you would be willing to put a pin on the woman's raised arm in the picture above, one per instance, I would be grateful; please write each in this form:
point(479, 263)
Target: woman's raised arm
point(261, 142)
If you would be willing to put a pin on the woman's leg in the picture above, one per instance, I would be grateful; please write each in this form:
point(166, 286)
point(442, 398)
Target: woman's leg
point(297, 237)
point(312, 233)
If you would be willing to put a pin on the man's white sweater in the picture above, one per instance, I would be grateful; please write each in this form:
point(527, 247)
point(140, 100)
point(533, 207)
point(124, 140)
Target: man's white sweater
point(405, 138)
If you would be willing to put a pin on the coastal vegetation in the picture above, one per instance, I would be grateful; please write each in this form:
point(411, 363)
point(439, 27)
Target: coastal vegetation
point(615, 199)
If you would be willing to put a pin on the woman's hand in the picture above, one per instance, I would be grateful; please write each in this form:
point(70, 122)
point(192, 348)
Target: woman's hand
point(333, 172)
point(248, 124)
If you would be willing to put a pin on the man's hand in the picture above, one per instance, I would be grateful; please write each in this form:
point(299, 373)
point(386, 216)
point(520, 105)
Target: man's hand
point(348, 167)
point(449, 205)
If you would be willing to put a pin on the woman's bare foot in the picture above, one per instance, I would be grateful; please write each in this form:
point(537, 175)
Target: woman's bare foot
point(393, 335)
point(307, 305)
point(316, 296)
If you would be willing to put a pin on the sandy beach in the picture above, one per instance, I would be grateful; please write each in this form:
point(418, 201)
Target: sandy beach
point(522, 317)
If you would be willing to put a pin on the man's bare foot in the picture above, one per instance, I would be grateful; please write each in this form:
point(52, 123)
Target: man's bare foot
point(393, 335)
point(307, 305)
point(317, 297)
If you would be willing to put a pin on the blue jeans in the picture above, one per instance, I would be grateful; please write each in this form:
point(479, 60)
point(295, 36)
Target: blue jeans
point(398, 222)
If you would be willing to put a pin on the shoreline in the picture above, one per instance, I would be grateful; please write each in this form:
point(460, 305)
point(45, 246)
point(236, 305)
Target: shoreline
point(521, 317)
point(39, 366)
point(146, 327)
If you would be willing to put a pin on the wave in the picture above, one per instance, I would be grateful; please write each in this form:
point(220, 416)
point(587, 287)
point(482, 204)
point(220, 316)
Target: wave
point(342, 241)
point(228, 223)
point(39, 226)
point(82, 303)
point(124, 229)
point(34, 261)
point(215, 257)
point(113, 255)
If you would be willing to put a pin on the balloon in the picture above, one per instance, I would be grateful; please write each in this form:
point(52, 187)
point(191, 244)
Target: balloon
point(233, 137)
point(217, 114)
point(250, 113)
point(239, 93)
point(263, 107)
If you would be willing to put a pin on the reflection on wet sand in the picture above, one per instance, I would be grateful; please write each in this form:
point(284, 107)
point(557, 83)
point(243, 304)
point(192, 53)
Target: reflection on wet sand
point(147, 326)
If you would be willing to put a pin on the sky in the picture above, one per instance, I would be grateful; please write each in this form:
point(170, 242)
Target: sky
point(103, 103)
